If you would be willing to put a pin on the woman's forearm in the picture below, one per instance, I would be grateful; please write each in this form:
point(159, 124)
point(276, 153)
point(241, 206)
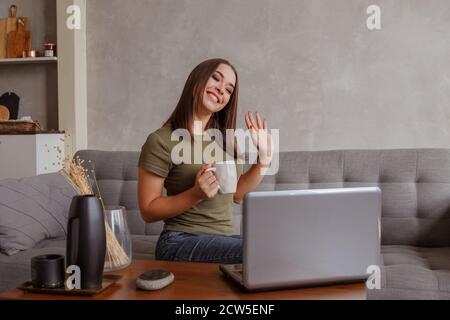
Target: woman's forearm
point(248, 181)
point(166, 207)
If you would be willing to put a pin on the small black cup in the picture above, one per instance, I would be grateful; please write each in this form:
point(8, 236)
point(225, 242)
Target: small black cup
point(47, 271)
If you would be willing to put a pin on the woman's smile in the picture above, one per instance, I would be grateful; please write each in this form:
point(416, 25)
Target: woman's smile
point(214, 97)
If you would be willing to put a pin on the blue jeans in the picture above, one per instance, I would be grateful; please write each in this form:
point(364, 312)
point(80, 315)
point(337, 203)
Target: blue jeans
point(182, 246)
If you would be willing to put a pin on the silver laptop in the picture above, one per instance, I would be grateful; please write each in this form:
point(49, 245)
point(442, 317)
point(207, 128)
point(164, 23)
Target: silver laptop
point(308, 237)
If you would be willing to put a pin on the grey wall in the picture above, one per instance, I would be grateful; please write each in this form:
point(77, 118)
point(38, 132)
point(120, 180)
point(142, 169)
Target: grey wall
point(36, 84)
point(310, 66)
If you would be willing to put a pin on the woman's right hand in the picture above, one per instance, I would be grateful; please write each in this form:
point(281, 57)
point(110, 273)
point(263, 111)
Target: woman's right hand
point(206, 184)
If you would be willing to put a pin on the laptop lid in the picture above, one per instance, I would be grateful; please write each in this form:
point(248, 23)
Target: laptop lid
point(310, 237)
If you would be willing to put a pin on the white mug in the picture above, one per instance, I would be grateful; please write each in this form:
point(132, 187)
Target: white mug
point(226, 175)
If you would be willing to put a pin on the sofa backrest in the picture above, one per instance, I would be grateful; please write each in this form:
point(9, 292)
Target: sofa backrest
point(415, 186)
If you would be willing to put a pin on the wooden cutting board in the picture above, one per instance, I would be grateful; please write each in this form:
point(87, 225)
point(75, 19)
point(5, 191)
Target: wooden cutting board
point(18, 41)
point(3, 36)
point(11, 24)
point(7, 25)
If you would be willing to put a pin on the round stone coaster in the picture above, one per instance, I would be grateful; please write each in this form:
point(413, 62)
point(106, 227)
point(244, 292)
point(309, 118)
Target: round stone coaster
point(154, 279)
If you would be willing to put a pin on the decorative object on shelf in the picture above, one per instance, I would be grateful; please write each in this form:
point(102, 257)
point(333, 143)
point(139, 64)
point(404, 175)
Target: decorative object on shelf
point(12, 19)
point(85, 183)
point(7, 25)
point(18, 41)
point(49, 49)
point(11, 101)
point(4, 113)
point(48, 271)
point(86, 240)
point(116, 216)
point(19, 126)
point(29, 54)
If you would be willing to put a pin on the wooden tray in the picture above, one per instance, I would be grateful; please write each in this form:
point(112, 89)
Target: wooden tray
point(108, 280)
point(18, 126)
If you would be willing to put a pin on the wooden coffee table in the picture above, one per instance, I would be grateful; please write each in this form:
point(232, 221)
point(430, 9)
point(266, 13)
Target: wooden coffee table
point(195, 281)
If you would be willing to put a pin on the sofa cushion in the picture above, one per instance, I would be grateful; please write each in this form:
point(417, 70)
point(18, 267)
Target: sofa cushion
point(33, 209)
point(415, 185)
point(414, 273)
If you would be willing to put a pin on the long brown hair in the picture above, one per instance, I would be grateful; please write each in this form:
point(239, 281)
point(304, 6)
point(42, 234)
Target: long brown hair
point(191, 100)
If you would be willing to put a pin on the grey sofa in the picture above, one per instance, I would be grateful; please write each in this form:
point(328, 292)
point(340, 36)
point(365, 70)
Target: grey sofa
point(415, 186)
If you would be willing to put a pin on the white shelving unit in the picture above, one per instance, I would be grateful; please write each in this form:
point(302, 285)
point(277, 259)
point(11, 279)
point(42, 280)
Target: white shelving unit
point(24, 155)
point(72, 76)
point(29, 60)
point(71, 66)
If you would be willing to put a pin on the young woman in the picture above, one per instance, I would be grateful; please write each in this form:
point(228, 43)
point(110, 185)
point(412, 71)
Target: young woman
point(198, 221)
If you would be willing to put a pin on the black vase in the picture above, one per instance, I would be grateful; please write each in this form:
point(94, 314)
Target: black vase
point(86, 240)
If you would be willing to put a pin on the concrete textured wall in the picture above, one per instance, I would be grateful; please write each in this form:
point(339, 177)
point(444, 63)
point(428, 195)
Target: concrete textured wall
point(310, 66)
point(36, 84)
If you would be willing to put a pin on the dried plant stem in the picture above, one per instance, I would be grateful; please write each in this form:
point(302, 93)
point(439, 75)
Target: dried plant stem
point(77, 176)
point(115, 251)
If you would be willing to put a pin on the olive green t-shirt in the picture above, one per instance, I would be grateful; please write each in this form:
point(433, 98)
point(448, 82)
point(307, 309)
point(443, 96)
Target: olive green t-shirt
point(211, 216)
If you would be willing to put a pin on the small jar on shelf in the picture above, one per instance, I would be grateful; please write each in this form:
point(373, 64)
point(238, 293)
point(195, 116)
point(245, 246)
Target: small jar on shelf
point(49, 49)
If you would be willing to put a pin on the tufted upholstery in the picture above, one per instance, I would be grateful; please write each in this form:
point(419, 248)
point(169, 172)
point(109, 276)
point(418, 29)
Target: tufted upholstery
point(415, 186)
point(117, 174)
point(414, 273)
